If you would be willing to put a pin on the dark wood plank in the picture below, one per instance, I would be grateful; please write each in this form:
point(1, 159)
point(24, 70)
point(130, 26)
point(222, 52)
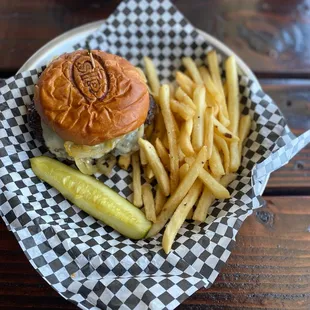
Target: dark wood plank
point(293, 99)
point(268, 269)
point(271, 36)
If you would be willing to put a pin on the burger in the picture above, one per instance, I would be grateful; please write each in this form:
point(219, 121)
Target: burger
point(91, 106)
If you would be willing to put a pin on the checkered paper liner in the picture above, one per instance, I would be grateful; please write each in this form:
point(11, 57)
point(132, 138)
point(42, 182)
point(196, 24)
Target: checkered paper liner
point(86, 261)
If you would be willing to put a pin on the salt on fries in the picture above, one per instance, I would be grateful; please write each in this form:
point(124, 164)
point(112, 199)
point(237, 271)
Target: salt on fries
point(195, 147)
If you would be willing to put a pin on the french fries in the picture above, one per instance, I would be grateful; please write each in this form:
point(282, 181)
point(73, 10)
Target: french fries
point(162, 153)
point(148, 202)
point(151, 74)
point(124, 161)
point(198, 125)
point(156, 165)
point(182, 109)
point(164, 99)
point(160, 200)
point(185, 83)
point(180, 192)
point(244, 130)
point(181, 95)
point(194, 148)
point(136, 178)
point(190, 65)
point(215, 163)
point(209, 130)
point(185, 138)
point(180, 215)
point(233, 109)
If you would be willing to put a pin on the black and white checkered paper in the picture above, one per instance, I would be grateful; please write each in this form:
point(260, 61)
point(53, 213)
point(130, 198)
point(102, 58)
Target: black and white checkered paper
point(84, 260)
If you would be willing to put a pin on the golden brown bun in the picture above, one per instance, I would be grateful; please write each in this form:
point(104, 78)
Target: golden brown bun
point(89, 105)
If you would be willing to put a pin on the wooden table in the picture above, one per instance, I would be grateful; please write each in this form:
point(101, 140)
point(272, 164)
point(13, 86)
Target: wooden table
point(270, 265)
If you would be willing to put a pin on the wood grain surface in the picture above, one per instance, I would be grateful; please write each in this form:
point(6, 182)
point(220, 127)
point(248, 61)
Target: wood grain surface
point(270, 264)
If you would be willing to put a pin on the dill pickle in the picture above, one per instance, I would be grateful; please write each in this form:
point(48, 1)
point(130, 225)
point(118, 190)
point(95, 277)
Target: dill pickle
point(93, 197)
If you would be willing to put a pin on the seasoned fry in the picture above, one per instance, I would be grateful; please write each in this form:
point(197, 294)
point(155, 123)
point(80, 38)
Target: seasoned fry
point(224, 132)
point(185, 138)
point(162, 153)
point(215, 163)
point(156, 165)
point(183, 170)
point(136, 179)
point(180, 192)
point(159, 128)
point(198, 125)
point(207, 199)
point(180, 215)
point(151, 74)
point(218, 190)
point(209, 130)
point(182, 109)
point(190, 65)
point(171, 127)
point(185, 82)
point(190, 214)
point(244, 130)
point(124, 161)
point(222, 145)
point(148, 173)
point(160, 200)
point(181, 95)
point(148, 202)
point(233, 109)
point(143, 158)
point(216, 94)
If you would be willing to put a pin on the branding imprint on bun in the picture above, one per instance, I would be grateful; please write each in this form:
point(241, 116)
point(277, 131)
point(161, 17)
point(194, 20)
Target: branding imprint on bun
point(91, 78)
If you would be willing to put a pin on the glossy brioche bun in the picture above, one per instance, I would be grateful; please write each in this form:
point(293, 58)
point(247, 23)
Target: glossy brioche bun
point(88, 100)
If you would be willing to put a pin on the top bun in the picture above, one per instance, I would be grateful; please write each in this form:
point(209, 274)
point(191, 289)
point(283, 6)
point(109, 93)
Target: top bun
point(90, 99)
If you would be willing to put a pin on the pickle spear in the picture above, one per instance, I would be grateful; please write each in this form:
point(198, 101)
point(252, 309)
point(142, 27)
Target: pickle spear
point(93, 197)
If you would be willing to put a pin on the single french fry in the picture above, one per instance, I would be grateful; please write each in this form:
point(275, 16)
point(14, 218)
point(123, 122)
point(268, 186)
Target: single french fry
point(233, 110)
point(151, 74)
point(185, 83)
point(180, 215)
point(148, 173)
point(172, 90)
point(179, 193)
point(218, 190)
point(124, 161)
point(210, 102)
point(171, 127)
point(216, 94)
point(159, 128)
point(143, 158)
point(175, 124)
point(181, 155)
point(233, 94)
point(207, 198)
point(160, 200)
point(148, 202)
point(165, 141)
point(190, 214)
point(136, 178)
point(162, 153)
point(183, 170)
point(222, 145)
point(156, 165)
point(182, 109)
point(244, 130)
point(190, 65)
point(181, 96)
point(209, 130)
point(224, 132)
point(198, 125)
point(185, 138)
point(215, 163)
